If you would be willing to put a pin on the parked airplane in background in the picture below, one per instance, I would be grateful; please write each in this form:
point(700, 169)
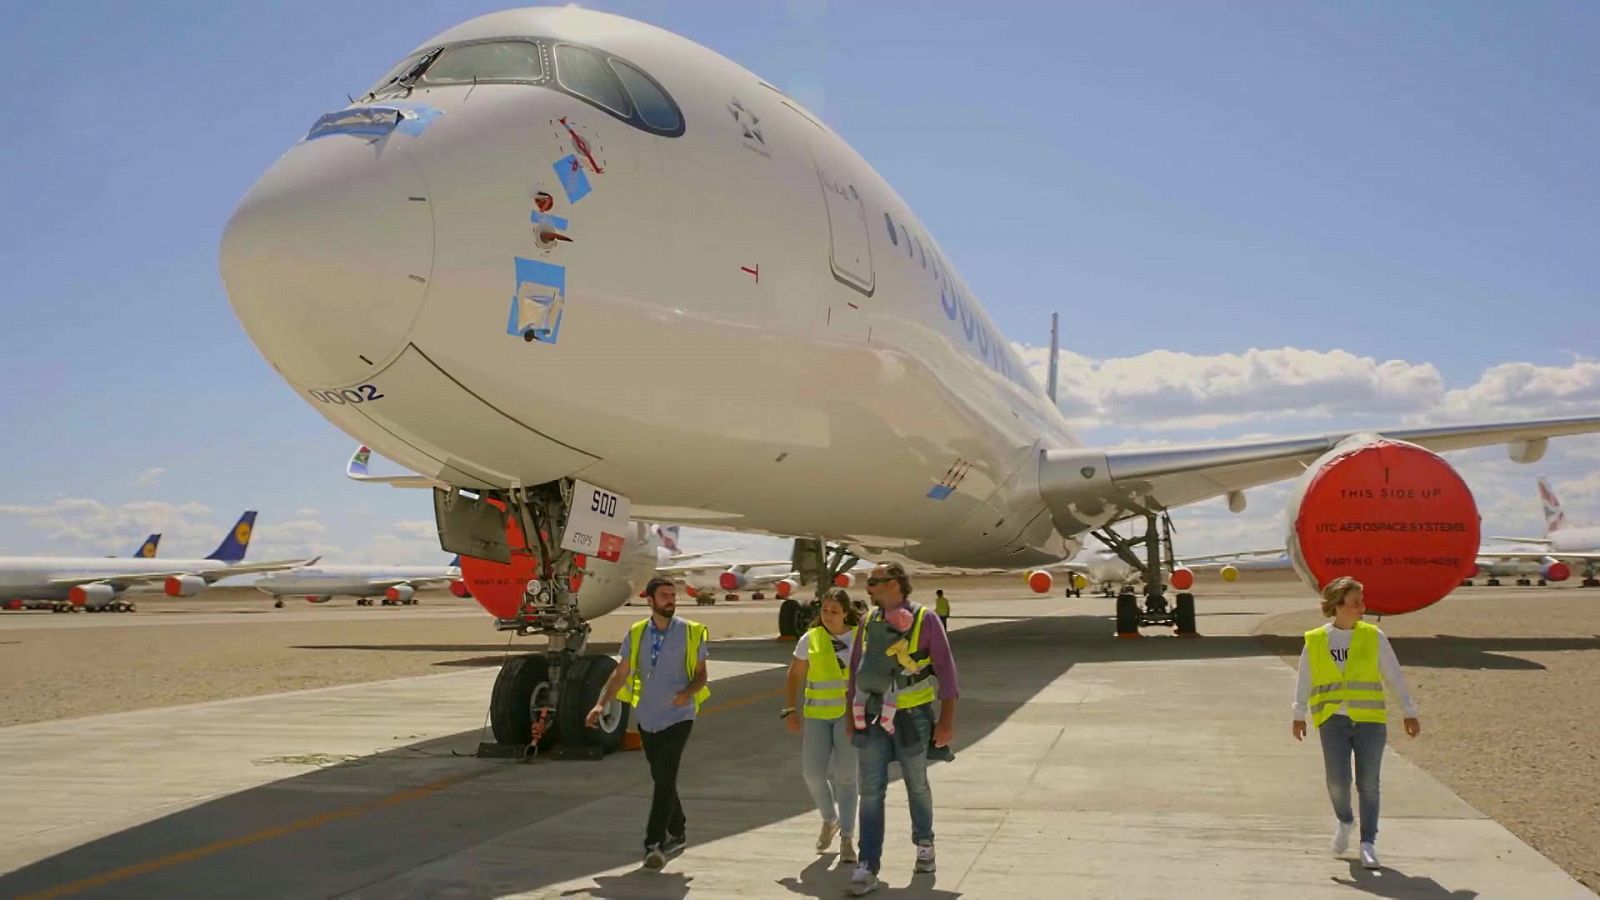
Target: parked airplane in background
point(395, 585)
point(1567, 549)
point(98, 583)
point(478, 289)
point(1112, 574)
point(146, 550)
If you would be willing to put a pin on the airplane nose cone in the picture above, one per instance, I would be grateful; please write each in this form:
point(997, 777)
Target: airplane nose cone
point(327, 258)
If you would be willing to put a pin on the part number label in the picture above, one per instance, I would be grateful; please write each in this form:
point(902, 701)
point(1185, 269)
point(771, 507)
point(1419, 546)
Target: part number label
point(360, 394)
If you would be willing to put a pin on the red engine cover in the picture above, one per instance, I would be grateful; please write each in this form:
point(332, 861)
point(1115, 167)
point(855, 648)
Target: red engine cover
point(1394, 516)
point(1182, 579)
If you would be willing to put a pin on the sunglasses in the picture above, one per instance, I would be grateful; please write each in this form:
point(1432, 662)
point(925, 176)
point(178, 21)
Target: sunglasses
point(873, 581)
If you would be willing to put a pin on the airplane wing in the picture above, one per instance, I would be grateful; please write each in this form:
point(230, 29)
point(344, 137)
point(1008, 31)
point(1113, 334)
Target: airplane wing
point(1086, 488)
point(214, 573)
point(356, 470)
point(1540, 542)
point(678, 558)
point(1537, 555)
point(421, 584)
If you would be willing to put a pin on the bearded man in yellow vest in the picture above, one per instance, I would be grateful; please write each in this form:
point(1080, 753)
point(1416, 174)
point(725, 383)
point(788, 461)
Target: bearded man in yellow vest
point(827, 759)
point(662, 673)
point(1344, 668)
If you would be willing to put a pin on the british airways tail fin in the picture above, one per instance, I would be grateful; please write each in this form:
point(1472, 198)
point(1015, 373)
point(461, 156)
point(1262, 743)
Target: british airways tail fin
point(667, 537)
point(147, 550)
point(233, 547)
point(1554, 518)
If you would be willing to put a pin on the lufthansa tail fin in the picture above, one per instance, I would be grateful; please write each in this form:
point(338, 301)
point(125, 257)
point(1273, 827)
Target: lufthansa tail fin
point(1554, 518)
point(234, 545)
point(147, 550)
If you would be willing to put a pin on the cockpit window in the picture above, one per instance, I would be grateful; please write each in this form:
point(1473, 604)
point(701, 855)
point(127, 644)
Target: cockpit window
point(649, 101)
point(488, 61)
point(585, 74)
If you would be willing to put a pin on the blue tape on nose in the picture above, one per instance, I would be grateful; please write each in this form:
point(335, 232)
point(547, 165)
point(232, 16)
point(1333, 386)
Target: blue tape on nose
point(375, 121)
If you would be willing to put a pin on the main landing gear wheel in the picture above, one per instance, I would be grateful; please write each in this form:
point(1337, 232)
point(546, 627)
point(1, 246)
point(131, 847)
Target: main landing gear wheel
point(277, 604)
point(788, 613)
point(1127, 614)
point(1493, 582)
point(1183, 614)
point(580, 690)
point(522, 687)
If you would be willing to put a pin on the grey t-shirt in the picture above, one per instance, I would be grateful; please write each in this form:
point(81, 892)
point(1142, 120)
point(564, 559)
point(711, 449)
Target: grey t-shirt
point(666, 676)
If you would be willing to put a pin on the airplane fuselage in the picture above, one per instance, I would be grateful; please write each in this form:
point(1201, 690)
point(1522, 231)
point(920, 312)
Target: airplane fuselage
point(754, 258)
point(30, 577)
point(351, 581)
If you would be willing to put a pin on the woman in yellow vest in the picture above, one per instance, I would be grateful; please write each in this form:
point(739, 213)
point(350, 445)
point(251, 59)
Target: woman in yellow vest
point(1344, 667)
point(828, 760)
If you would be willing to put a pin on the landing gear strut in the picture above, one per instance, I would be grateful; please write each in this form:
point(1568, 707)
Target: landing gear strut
point(819, 564)
point(540, 700)
point(1156, 542)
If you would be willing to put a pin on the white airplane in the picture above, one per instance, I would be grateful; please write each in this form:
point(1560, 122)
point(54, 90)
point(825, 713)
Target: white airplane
point(395, 585)
point(1566, 549)
point(474, 266)
point(146, 550)
point(97, 584)
point(1113, 574)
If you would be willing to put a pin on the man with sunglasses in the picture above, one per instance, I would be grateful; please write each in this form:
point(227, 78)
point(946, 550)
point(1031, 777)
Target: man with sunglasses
point(908, 732)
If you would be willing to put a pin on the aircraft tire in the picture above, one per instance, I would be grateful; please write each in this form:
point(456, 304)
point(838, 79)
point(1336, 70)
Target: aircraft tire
point(1543, 583)
point(788, 612)
point(1183, 613)
point(277, 604)
point(584, 681)
point(1127, 613)
point(1493, 582)
point(510, 703)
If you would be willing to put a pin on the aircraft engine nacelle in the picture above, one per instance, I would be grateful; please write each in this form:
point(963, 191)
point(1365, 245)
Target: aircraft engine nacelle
point(1554, 570)
point(13, 604)
point(460, 589)
point(731, 580)
point(183, 585)
point(318, 598)
point(1392, 515)
point(785, 587)
point(399, 593)
point(844, 580)
point(91, 594)
point(1040, 581)
point(1079, 580)
point(1229, 574)
point(1182, 579)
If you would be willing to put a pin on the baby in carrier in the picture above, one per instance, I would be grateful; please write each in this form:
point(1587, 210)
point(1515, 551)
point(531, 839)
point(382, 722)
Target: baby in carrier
point(900, 622)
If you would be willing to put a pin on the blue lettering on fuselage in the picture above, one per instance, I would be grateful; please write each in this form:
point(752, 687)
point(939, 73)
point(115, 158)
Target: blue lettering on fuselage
point(986, 344)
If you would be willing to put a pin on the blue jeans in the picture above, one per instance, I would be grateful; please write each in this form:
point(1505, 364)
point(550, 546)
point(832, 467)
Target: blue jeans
point(1340, 738)
point(828, 762)
point(908, 746)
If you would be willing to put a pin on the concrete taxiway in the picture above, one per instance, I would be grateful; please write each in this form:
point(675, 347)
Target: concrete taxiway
point(1085, 767)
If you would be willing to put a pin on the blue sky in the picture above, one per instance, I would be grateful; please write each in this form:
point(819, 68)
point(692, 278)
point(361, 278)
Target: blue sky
point(1403, 194)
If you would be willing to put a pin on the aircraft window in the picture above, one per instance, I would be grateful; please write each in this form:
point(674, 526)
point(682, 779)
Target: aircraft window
point(889, 223)
point(920, 253)
point(583, 73)
point(907, 235)
point(400, 77)
point(649, 101)
point(488, 61)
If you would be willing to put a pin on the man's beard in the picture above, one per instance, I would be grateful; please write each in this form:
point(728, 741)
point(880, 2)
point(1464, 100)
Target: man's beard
point(666, 613)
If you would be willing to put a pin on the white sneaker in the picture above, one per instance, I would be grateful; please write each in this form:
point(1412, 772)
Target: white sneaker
point(925, 861)
point(825, 839)
point(863, 881)
point(1369, 857)
point(654, 858)
point(1341, 838)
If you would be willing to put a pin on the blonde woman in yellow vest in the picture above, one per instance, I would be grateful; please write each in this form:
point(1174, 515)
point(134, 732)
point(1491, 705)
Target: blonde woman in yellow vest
point(827, 759)
point(1344, 668)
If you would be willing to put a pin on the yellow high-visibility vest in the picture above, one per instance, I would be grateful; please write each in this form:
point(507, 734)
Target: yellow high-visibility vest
point(634, 686)
point(825, 677)
point(1359, 688)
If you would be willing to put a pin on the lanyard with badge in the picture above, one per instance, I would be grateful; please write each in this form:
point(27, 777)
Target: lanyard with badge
point(656, 637)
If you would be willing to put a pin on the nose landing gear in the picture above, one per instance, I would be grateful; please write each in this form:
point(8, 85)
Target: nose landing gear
point(540, 700)
point(818, 563)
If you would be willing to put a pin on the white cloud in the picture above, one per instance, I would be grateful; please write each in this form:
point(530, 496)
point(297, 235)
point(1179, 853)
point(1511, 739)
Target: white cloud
point(149, 477)
point(84, 526)
point(1526, 391)
point(1164, 389)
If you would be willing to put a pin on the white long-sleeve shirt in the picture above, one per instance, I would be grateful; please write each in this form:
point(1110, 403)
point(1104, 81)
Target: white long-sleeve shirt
point(1339, 648)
